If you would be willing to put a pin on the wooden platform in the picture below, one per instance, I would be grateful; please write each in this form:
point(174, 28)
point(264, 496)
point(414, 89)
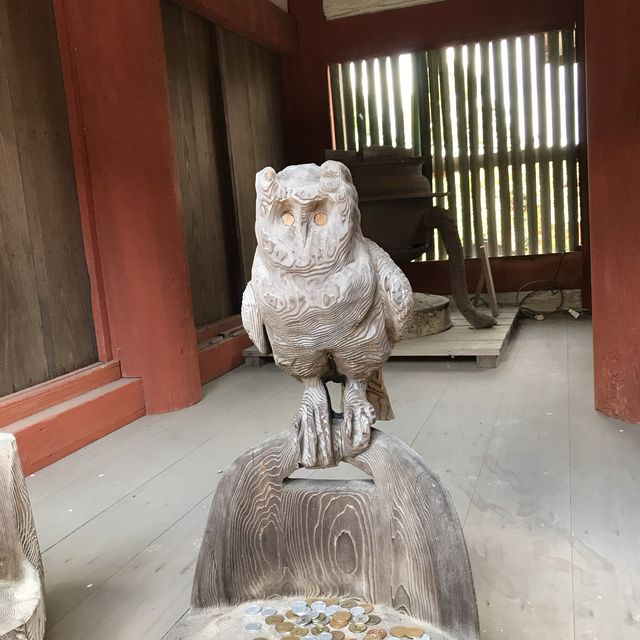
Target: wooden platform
point(485, 345)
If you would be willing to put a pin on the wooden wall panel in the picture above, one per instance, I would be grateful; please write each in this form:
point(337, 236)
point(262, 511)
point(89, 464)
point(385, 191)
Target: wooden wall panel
point(201, 156)
point(252, 89)
point(46, 326)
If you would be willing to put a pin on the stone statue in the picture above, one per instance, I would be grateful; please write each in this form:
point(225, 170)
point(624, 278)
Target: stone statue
point(330, 302)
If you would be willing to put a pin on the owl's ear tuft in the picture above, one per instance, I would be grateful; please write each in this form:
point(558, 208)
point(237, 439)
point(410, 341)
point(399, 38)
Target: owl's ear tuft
point(265, 180)
point(332, 175)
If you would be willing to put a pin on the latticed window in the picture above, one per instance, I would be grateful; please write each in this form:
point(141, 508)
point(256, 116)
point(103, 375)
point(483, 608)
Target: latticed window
point(497, 125)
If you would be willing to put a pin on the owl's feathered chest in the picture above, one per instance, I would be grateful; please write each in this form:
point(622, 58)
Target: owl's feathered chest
point(305, 308)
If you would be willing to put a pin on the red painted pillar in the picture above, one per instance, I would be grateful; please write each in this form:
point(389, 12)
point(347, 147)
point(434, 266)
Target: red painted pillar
point(115, 78)
point(613, 128)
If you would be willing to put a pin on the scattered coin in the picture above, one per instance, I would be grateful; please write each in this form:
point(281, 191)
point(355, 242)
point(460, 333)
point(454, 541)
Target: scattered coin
point(361, 619)
point(349, 603)
point(338, 623)
point(379, 634)
point(284, 627)
point(268, 611)
point(368, 608)
point(357, 611)
point(273, 619)
point(337, 635)
point(375, 620)
point(318, 629)
point(253, 609)
point(260, 638)
point(357, 627)
point(342, 615)
point(331, 609)
point(413, 632)
point(252, 626)
point(325, 635)
point(291, 615)
point(299, 631)
point(289, 638)
point(318, 605)
point(397, 632)
point(331, 602)
point(298, 605)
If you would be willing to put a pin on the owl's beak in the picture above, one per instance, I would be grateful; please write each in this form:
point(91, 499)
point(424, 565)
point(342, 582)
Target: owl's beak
point(303, 232)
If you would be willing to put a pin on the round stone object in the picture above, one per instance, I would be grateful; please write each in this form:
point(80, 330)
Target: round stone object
point(430, 315)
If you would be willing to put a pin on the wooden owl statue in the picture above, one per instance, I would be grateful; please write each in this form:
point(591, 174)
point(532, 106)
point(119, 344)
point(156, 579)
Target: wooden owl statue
point(330, 302)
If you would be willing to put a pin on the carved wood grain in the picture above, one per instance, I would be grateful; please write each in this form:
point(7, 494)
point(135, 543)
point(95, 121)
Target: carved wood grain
point(393, 540)
point(21, 573)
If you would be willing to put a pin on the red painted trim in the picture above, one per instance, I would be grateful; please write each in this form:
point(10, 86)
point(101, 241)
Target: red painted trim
point(509, 272)
point(42, 396)
point(612, 59)
point(218, 328)
point(83, 185)
point(260, 21)
point(117, 87)
point(430, 26)
point(58, 431)
point(222, 357)
point(322, 41)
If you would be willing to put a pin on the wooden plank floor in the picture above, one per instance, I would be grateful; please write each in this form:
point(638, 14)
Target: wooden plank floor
point(486, 345)
point(547, 489)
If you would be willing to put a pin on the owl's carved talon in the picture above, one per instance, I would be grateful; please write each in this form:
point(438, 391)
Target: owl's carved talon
point(313, 423)
point(359, 417)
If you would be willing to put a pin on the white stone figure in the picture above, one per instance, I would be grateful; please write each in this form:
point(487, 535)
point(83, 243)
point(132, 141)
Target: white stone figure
point(330, 302)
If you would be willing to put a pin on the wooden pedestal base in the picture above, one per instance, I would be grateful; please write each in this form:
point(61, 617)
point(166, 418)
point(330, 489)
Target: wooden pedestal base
point(21, 583)
point(394, 540)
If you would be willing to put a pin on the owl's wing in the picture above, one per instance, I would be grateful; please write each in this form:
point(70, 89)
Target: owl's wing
point(252, 319)
point(394, 290)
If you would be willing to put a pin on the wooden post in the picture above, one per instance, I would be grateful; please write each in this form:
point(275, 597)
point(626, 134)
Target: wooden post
point(116, 87)
point(21, 577)
point(612, 57)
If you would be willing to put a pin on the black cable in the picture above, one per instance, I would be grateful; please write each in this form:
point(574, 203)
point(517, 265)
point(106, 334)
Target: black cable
point(552, 287)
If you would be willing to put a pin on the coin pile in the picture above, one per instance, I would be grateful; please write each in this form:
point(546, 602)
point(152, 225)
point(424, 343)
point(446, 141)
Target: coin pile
point(328, 619)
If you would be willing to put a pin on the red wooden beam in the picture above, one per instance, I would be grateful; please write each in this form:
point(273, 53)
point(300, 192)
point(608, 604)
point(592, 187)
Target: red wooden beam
point(260, 21)
point(218, 328)
point(115, 76)
point(42, 396)
point(222, 357)
point(85, 199)
point(613, 119)
point(509, 272)
point(51, 434)
point(428, 26)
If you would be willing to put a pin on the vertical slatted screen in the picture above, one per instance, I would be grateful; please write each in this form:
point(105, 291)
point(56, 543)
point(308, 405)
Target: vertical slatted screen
point(496, 123)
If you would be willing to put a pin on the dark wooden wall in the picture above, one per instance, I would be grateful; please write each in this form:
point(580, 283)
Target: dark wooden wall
point(225, 95)
point(201, 156)
point(252, 89)
point(46, 326)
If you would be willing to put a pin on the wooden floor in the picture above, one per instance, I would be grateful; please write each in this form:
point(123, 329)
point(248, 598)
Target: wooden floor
point(547, 489)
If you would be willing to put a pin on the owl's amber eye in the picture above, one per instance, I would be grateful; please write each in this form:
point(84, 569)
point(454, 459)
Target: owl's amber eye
point(287, 218)
point(320, 218)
